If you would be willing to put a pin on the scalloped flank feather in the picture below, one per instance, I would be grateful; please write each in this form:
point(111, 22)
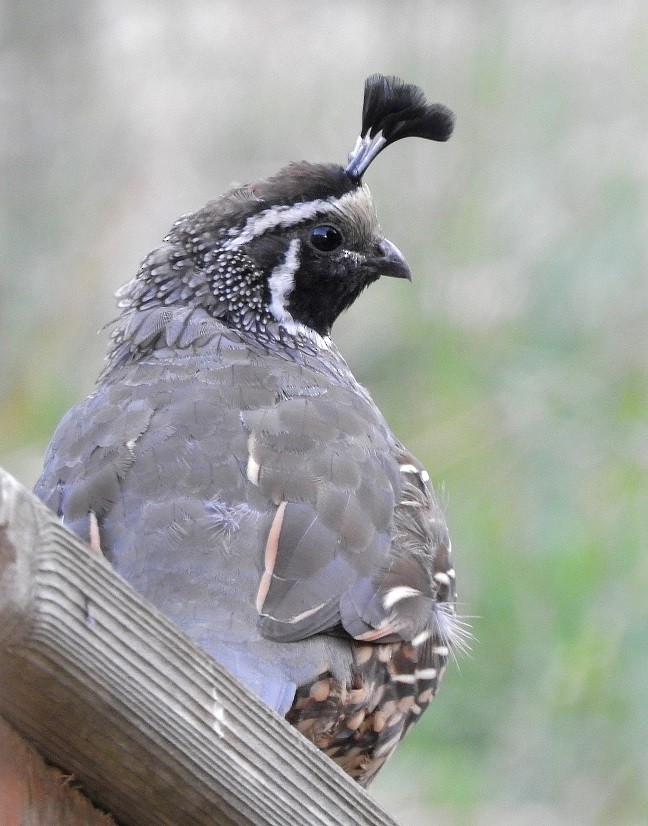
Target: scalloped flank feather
point(393, 110)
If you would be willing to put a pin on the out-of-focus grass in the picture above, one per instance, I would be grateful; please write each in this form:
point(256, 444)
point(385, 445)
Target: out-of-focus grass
point(535, 433)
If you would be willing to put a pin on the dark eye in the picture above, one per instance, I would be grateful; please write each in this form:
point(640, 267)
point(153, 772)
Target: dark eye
point(325, 238)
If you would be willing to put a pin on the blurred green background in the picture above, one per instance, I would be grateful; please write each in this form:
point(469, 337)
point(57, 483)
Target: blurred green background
point(515, 365)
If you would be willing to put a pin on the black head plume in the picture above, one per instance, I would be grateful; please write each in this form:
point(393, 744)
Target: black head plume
point(393, 110)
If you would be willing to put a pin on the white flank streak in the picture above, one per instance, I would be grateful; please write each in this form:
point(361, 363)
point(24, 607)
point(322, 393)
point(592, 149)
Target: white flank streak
point(252, 471)
point(95, 538)
point(440, 650)
point(397, 594)
point(419, 639)
point(253, 467)
point(426, 673)
point(441, 578)
point(287, 216)
point(451, 573)
point(404, 678)
point(408, 469)
point(282, 282)
point(423, 475)
point(305, 614)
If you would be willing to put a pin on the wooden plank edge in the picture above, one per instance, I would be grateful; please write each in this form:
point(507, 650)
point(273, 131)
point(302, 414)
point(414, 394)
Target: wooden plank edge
point(33, 793)
point(110, 690)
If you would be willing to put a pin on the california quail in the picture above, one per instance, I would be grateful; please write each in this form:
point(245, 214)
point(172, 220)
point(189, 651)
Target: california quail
point(232, 469)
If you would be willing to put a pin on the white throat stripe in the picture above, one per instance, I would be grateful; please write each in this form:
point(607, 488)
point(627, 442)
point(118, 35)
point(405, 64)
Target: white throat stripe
point(282, 282)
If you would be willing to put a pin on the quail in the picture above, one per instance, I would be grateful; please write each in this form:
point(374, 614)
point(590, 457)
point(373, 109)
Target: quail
point(231, 468)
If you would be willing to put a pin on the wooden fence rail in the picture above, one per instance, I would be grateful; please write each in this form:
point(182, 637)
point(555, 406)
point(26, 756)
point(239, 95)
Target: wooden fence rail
point(108, 689)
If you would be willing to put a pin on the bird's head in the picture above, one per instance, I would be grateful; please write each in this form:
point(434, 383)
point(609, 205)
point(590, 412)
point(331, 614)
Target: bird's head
point(283, 257)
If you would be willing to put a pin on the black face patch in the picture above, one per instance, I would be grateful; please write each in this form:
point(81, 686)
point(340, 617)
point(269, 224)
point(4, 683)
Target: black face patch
point(271, 269)
point(325, 286)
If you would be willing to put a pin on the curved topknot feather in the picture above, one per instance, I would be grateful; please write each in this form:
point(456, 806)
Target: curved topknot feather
point(393, 110)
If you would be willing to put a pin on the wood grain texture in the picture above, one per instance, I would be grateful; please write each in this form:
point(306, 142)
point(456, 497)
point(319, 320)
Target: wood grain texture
point(34, 794)
point(109, 690)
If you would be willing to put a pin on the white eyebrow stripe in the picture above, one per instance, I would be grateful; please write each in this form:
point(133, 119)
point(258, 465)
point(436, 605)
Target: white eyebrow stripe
point(287, 215)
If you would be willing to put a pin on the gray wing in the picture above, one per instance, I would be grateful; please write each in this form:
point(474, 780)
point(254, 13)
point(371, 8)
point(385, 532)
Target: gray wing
point(358, 541)
point(254, 505)
point(89, 457)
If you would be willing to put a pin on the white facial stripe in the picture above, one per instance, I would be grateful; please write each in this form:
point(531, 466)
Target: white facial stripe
point(281, 283)
point(288, 215)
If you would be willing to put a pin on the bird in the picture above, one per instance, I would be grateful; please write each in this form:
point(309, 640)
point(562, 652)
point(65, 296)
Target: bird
point(234, 472)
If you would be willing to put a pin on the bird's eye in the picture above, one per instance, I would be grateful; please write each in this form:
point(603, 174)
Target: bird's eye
point(325, 238)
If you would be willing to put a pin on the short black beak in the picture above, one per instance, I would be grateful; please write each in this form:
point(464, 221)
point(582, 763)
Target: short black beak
point(393, 264)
